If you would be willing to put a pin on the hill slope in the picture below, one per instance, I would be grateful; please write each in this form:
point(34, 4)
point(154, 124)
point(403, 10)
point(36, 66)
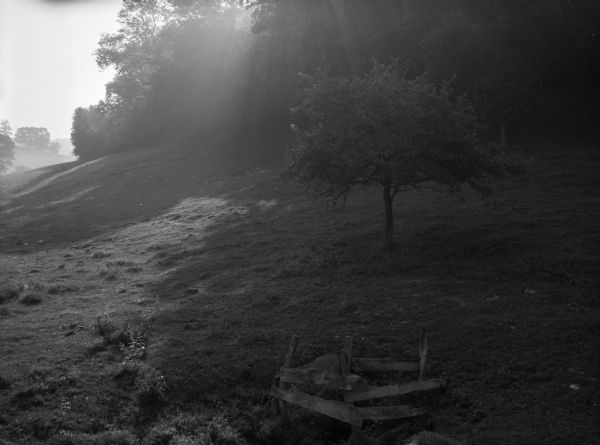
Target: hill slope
point(226, 263)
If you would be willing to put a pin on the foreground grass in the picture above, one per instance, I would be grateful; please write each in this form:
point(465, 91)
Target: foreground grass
point(507, 290)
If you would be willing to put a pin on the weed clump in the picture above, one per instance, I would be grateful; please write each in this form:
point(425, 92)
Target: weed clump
point(60, 289)
point(112, 437)
point(111, 332)
point(150, 386)
point(8, 292)
point(4, 383)
point(131, 336)
point(189, 429)
point(30, 299)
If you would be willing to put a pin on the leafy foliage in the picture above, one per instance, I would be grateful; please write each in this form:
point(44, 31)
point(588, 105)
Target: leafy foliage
point(192, 71)
point(7, 152)
point(93, 132)
point(36, 139)
point(5, 128)
point(386, 129)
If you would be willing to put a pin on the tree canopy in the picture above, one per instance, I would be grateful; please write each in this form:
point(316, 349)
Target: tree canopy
point(7, 152)
point(192, 71)
point(35, 139)
point(388, 130)
point(5, 127)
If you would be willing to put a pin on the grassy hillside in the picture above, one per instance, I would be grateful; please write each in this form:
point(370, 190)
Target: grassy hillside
point(152, 295)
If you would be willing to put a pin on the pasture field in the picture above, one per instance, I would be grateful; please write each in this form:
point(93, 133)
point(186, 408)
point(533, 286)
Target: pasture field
point(149, 297)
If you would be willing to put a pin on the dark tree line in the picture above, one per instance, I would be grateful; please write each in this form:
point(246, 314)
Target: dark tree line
point(198, 72)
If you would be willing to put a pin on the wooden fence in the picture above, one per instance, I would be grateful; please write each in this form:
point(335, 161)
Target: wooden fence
point(337, 373)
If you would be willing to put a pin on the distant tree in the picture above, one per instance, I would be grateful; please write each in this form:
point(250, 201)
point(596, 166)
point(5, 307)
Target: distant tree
point(386, 130)
point(5, 128)
point(94, 132)
point(35, 139)
point(7, 152)
point(503, 95)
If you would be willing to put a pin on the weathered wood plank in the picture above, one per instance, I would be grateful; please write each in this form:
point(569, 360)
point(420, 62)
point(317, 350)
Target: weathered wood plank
point(346, 362)
point(390, 412)
point(422, 353)
point(287, 362)
point(379, 392)
point(331, 408)
point(291, 354)
point(310, 378)
point(360, 364)
point(329, 361)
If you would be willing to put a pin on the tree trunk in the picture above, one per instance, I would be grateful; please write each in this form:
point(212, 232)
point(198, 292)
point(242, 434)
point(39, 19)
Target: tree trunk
point(388, 241)
point(503, 133)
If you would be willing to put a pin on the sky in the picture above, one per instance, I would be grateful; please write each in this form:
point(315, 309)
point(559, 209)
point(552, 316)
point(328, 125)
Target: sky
point(47, 66)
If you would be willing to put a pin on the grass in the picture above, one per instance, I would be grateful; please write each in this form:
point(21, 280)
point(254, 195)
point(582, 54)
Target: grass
point(113, 437)
point(507, 290)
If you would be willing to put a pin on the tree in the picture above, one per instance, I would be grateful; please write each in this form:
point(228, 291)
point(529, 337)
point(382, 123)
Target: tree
point(7, 152)
point(386, 130)
point(5, 128)
point(35, 139)
point(503, 95)
point(93, 132)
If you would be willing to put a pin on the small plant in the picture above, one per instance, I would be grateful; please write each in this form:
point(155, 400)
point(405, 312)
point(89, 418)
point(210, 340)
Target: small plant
point(60, 289)
point(112, 437)
point(30, 299)
point(4, 383)
point(220, 431)
point(150, 385)
point(8, 292)
point(110, 332)
point(109, 275)
point(193, 429)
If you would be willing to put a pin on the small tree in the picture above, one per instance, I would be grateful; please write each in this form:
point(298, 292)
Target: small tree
point(384, 129)
point(5, 128)
point(7, 152)
point(503, 94)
